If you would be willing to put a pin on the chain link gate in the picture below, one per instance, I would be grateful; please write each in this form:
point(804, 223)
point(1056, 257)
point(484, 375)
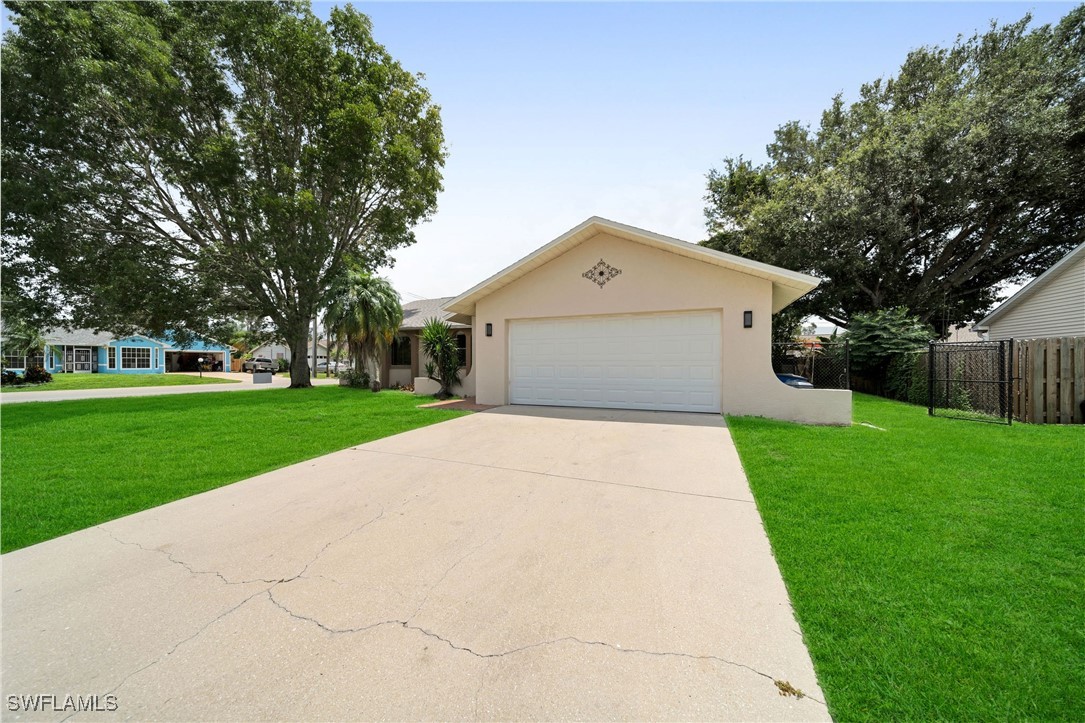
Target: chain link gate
point(971, 380)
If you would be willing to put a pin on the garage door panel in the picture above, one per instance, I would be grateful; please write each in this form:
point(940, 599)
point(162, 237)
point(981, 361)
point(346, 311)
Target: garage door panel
point(651, 361)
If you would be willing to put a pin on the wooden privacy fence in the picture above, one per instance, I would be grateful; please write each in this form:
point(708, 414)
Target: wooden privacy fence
point(1049, 380)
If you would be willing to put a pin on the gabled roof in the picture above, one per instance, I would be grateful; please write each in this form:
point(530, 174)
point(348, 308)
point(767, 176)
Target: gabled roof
point(787, 286)
point(1030, 288)
point(77, 337)
point(417, 313)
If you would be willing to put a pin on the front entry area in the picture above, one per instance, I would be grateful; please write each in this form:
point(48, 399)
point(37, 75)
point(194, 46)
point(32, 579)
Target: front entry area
point(667, 361)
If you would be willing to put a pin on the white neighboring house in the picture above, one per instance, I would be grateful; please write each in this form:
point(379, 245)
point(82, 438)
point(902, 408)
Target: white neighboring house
point(282, 351)
point(1052, 304)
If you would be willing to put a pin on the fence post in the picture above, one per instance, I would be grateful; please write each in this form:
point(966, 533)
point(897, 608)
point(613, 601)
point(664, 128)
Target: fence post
point(930, 378)
point(1009, 386)
point(847, 364)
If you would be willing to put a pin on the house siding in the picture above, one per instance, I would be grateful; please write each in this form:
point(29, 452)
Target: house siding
point(1055, 309)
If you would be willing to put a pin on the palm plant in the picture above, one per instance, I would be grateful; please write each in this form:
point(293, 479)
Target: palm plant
point(439, 344)
point(365, 312)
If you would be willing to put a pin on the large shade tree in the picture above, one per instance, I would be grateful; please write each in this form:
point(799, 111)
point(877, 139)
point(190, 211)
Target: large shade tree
point(169, 164)
point(964, 171)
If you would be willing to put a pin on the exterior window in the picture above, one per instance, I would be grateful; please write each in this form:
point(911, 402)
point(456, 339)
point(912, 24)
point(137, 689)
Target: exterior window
point(156, 357)
point(134, 357)
point(461, 348)
point(401, 351)
point(112, 361)
point(37, 359)
point(14, 362)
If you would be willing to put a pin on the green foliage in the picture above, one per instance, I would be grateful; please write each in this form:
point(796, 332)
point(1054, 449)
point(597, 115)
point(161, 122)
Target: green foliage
point(37, 375)
point(935, 565)
point(9, 378)
point(167, 163)
point(365, 311)
point(964, 170)
point(906, 378)
point(439, 344)
point(787, 325)
point(282, 365)
point(875, 339)
point(355, 378)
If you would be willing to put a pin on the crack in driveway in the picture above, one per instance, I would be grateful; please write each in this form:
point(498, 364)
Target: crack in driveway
point(488, 656)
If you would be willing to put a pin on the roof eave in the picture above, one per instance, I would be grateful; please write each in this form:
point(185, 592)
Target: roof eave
point(795, 283)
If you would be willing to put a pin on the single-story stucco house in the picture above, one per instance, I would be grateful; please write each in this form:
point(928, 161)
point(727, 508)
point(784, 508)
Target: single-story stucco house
point(1052, 304)
point(82, 351)
point(608, 315)
point(404, 361)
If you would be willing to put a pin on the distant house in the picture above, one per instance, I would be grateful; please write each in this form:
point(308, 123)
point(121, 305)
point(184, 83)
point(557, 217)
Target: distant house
point(82, 351)
point(282, 351)
point(404, 361)
point(1052, 304)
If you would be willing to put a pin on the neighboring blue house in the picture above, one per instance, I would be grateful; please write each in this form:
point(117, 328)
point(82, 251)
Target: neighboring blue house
point(84, 351)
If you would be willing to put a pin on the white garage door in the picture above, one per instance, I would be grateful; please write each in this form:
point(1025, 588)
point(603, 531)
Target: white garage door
point(639, 361)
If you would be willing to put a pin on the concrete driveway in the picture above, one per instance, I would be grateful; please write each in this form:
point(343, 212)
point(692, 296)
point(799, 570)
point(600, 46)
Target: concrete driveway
point(520, 563)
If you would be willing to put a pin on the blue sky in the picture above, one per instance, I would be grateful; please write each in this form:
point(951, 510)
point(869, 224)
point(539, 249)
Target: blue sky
point(556, 112)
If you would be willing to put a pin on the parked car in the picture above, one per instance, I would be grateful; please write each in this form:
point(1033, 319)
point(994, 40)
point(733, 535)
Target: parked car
point(259, 364)
point(337, 366)
point(794, 380)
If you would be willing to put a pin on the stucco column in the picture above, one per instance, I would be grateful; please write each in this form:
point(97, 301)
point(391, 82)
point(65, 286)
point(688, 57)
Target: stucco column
point(386, 364)
point(416, 339)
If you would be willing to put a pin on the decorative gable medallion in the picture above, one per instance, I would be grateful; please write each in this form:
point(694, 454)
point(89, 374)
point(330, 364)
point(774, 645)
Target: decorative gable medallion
point(601, 273)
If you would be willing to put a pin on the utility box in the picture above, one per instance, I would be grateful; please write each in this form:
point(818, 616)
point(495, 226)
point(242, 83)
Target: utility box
point(261, 377)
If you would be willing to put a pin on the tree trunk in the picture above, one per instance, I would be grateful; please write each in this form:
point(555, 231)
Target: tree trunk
point(298, 340)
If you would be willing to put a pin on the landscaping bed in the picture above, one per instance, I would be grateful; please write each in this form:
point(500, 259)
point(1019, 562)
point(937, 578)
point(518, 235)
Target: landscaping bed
point(70, 465)
point(936, 566)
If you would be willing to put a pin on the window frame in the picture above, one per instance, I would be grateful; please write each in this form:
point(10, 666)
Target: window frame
point(400, 344)
point(111, 357)
point(137, 352)
point(461, 351)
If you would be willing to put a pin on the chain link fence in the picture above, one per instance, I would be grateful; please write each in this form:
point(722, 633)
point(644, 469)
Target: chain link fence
point(826, 365)
point(971, 380)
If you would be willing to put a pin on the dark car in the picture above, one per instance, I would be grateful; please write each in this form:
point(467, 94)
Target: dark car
point(794, 380)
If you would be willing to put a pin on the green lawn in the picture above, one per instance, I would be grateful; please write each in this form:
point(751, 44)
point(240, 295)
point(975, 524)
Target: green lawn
point(70, 465)
point(937, 568)
point(62, 382)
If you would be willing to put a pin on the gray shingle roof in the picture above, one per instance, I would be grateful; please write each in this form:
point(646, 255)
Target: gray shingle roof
point(77, 337)
point(417, 313)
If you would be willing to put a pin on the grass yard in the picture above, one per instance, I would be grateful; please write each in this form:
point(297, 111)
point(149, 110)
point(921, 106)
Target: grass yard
point(937, 568)
point(64, 382)
point(70, 465)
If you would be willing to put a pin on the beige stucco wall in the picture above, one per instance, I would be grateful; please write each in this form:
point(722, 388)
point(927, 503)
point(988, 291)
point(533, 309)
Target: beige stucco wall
point(653, 281)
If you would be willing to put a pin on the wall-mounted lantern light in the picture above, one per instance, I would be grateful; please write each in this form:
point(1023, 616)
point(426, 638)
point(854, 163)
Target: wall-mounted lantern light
point(747, 319)
point(489, 329)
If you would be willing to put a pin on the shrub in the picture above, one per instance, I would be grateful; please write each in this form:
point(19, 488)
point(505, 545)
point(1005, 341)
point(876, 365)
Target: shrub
point(875, 339)
point(354, 378)
point(37, 375)
point(283, 365)
point(439, 344)
point(9, 378)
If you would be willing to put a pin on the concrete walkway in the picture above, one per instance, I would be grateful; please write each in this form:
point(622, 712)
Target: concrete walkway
point(520, 563)
point(243, 383)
